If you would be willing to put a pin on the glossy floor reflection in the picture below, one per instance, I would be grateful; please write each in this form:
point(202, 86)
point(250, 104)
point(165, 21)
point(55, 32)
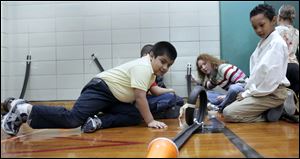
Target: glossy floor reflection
point(277, 139)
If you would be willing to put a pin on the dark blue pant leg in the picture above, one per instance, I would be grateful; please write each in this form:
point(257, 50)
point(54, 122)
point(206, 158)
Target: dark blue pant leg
point(95, 97)
point(121, 114)
point(161, 102)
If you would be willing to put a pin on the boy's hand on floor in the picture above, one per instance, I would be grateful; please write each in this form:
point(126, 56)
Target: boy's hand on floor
point(157, 124)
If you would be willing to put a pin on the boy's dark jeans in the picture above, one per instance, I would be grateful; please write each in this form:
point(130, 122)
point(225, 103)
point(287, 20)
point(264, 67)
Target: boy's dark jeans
point(95, 97)
point(165, 106)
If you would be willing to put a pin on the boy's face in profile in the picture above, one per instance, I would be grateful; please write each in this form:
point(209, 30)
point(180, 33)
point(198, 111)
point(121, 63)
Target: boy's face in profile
point(262, 25)
point(161, 64)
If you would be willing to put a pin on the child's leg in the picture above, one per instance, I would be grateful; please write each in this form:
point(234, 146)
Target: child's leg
point(251, 109)
point(212, 97)
point(161, 102)
point(120, 114)
point(94, 98)
point(232, 93)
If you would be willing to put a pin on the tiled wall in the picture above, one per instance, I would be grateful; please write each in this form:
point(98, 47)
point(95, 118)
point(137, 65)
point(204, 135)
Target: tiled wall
point(62, 35)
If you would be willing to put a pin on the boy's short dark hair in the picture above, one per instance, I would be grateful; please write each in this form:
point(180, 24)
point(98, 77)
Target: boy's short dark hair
point(146, 49)
point(265, 9)
point(164, 48)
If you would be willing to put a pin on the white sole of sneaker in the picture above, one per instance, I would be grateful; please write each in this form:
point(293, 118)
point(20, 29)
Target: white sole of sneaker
point(13, 107)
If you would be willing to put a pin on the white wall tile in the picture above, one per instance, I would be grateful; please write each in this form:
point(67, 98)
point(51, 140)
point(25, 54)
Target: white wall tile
point(69, 52)
point(72, 9)
point(181, 90)
point(41, 53)
point(123, 7)
point(181, 63)
point(126, 50)
point(13, 93)
point(92, 8)
point(185, 34)
point(91, 67)
point(42, 68)
point(178, 78)
point(153, 35)
point(184, 6)
point(97, 37)
point(97, 23)
point(69, 24)
point(42, 25)
point(4, 54)
point(16, 40)
point(209, 13)
point(4, 69)
point(187, 48)
point(70, 81)
point(31, 11)
point(154, 7)
point(211, 47)
point(88, 77)
point(41, 39)
point(40, 95)
point(16, 68)
point(100, 51)
point(184, 19)
point(18, 54)
point(15, 83)
point(126, 36)
point(68, 94)
point(41, 82)
point(155, 20)
point(4, 40)
point(4, 23)
point(210, 33)
point(4, 84)
point(18, 26)
point(69, 38)
point(125, 21)
point(4, 9)
point(69, 67)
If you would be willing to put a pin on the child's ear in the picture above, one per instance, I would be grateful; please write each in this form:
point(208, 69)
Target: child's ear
point(274, 20)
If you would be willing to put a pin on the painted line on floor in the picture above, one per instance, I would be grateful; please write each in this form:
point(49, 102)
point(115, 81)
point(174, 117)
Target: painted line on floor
point(240, 144)
point(20, 136)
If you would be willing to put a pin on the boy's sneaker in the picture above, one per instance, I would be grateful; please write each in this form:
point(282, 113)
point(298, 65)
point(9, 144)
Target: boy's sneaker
point(13, 120)
point(212, 107)
point(289, 103)
point(274, 114)
point(91, 125)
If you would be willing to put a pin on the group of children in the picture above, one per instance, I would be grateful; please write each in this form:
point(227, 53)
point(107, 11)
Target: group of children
point(127, 94)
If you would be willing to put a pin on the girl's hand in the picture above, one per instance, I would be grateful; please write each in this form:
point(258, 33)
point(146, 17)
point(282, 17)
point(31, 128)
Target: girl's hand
point(239, 97)
point(221, 97)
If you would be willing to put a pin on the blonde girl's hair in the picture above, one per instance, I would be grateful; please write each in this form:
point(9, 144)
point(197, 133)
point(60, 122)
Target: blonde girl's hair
point(287, 12)
point(215, 62)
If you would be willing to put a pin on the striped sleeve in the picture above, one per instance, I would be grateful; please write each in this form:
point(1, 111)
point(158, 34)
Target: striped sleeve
point(231, 74)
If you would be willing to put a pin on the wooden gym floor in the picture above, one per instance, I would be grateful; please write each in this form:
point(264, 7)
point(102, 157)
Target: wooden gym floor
point(277, 139)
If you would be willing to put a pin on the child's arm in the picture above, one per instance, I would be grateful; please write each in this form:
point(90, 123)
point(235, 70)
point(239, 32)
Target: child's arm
point(156, 90)
point(143, 107)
